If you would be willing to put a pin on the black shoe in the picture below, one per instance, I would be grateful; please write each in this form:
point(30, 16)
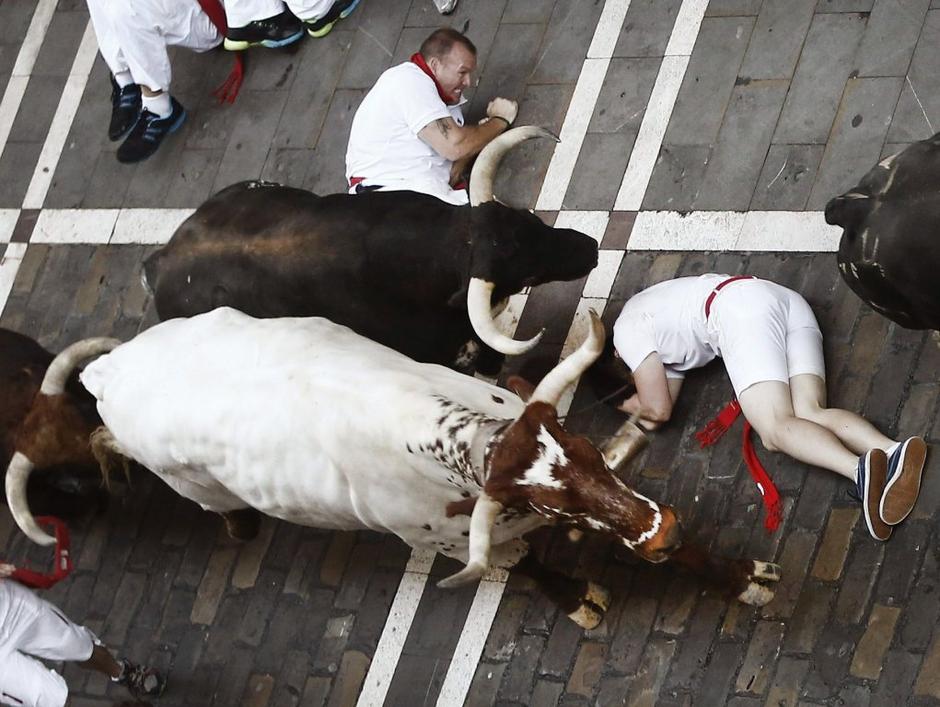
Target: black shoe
point(149, 132)
point(341, 10)
point(140, 680)
point(277, 31)
point(125, 109)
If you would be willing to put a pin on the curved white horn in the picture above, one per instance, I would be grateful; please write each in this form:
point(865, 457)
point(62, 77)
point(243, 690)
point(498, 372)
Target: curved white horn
point(484, 168)
point(57, 375)
point(568, 371)
point(17, 477)
point(479, 307)
point(485, 511)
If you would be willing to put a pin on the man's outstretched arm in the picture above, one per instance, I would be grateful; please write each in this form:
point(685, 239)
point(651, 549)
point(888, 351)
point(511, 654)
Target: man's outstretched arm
point(455, 142)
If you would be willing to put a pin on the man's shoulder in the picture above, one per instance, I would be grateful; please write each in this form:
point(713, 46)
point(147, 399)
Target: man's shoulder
point(406, 72)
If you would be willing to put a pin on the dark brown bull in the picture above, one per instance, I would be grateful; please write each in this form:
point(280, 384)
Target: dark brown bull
point(889, 253)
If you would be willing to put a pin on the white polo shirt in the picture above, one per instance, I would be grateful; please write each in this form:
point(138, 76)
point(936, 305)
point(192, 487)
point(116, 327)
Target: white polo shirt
point(384, 147)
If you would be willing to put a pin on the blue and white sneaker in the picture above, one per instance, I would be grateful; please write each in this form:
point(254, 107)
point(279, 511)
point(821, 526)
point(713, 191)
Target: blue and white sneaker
point(872, 470)
point(340, 10)
point(905, 469)
point(148, 133)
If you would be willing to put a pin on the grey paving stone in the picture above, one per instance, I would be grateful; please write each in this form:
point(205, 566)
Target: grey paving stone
point(693, 648)
point(372, 46)
point(677, 178)
point(890, 38)
point(920, 614)
point(901, 563)
point(732, 8)
point(326, 174)
point(747, 129)
point(647, 28)
point(305, 110)
point(845, 5)
point(599, 171)
point(566, 42)
point(508, 67)
point(777, 39)
point(251, 136)
point(857, 135)
point(527, 11)
point(521, 172)
point(622, 101)
point(918, 113)
point(825, 64)
point(859, 582)
point(62, 39)
point(193, 181)
point(17, 165)
point(36, 110)
point(485, 685)
point(14, 22)
point(709, 80)
point(787, 177)
point(519, 676)
point(809, 618)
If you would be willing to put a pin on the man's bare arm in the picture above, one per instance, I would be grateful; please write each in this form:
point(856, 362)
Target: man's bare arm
point(455, 142)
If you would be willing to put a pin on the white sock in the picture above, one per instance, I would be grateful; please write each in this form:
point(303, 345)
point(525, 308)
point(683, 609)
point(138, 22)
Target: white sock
point(123, 78)
point(158, 105)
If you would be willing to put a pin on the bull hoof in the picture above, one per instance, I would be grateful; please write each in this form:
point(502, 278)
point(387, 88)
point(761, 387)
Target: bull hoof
point(242, 524)
point(593, 607)
point(756, 594)
point(587, 617)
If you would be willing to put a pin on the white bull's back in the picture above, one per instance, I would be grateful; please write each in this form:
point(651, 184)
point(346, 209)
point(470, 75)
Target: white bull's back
point(299, 417)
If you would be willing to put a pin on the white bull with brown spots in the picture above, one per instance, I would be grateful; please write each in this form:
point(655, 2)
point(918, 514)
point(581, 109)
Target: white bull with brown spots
point(306, 421)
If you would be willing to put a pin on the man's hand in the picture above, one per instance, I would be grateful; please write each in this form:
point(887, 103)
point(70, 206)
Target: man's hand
point(6, 570)
point(503, 108)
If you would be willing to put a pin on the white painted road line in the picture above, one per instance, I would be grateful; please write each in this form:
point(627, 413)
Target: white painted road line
point(763, 231)
point(74, 226)
point(62, 120)
point(472, 639)
point(649, 139)
point(591, 223)
point(9, 265)
point(148, 226)
point(581, 108)
point(23, 68)
point(8, 218)
point(400, 615)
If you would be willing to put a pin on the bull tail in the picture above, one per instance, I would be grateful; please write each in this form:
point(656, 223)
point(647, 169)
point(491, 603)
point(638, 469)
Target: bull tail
point(108, 454)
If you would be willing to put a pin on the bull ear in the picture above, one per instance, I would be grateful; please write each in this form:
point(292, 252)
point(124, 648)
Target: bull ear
point(521, 387)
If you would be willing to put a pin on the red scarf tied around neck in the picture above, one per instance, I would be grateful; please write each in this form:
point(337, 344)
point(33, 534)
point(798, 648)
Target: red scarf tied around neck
point(419, 61)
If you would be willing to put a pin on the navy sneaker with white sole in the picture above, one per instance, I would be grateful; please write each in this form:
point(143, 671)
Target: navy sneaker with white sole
point(870, 483)
point(340, 10)
point(905, 468)
point(148, 133)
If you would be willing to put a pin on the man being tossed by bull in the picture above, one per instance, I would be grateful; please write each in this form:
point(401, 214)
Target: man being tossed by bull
point(409, 131)
point(771, 345)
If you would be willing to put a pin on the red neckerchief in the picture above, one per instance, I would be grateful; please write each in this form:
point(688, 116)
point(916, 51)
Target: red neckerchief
point(226, 92)
point(419, 61)
point(769, 494)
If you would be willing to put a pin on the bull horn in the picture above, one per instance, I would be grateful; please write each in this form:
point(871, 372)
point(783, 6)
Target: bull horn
point(484, 169)
point(479, 307)
point(567, 372)
point(57, 375)
point(17, 477)
point(485, 511)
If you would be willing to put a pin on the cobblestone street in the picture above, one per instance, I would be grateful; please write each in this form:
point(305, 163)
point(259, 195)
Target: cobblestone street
point(696, 136)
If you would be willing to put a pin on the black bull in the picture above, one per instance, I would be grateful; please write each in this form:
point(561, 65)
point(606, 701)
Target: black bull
point(393, 266)
point(889, 253)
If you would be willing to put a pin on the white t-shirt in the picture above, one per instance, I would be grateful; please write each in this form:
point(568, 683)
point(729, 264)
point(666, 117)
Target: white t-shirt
point(669, 318)
point(384, 147)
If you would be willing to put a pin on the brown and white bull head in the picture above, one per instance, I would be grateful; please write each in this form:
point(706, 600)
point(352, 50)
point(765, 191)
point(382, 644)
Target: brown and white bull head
point(54, 432)
point(535, 466)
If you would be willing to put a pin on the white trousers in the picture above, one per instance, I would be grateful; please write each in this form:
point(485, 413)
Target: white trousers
point(240, 12)
point(134, 36)
point(32, 628)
